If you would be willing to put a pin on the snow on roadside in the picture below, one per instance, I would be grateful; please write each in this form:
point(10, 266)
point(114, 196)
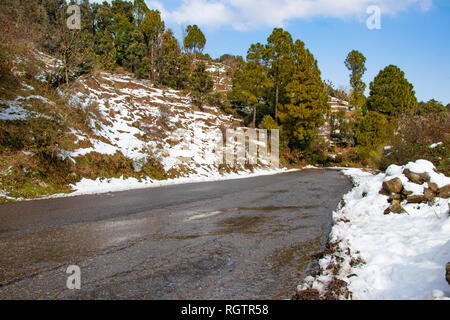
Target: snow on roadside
point(98, 186)
point(404, 255)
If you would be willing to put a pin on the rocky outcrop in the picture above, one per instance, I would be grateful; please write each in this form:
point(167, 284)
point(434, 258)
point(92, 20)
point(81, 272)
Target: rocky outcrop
point(396, 192)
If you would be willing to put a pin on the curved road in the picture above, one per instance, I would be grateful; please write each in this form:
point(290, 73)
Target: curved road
point(236, 239)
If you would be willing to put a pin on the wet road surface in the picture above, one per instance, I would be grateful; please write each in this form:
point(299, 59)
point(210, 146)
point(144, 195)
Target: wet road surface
point(237, 239)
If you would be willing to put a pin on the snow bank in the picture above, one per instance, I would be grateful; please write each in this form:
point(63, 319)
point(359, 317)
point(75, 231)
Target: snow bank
point(88, 186)
point(404, 254)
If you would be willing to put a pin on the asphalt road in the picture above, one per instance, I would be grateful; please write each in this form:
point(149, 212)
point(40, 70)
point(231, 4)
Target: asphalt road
point(237, 239)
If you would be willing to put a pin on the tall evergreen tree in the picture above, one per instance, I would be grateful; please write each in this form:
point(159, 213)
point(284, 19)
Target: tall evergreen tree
point(355, 63)
point(308, 100)
point(201, 84)
point(195, 40)
point(278, 55)
point(137, 55)
point(152, 28)
point(167, 61)
point(252, 80)
point(140, 10)
point(391, 94)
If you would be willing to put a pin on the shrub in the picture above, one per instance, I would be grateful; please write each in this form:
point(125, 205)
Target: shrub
point(413, 139)
point(371, 134)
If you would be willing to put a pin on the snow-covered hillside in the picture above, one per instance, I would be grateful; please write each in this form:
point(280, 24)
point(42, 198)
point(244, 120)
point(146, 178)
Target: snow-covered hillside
point(135, 118)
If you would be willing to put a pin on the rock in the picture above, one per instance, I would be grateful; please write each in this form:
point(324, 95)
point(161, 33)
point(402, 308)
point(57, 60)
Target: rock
point(415, 199)
point(447, 272)
point(406, 192)
point(393, 186)
point(444, 192)
point(428, 194)
point(433, 187)
point(395, 208)
point(396, 196)
point(418, 178)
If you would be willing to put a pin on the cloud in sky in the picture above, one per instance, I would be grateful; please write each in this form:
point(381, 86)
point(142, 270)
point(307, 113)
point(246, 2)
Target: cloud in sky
point(252, 14)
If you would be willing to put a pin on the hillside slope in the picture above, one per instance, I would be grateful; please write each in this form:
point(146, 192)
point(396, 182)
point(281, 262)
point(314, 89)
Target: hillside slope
point(105, 125)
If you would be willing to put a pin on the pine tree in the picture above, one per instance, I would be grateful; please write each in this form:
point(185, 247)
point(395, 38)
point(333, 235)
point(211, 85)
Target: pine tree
point(195, 40)
point(372, 132)
point(391, 94)
point(201, 84)
point(278, 56)
point(253, 78)
point(308, 100)
point(136, 55)
point(355, 63)
point(167, 60)
point(152, 28)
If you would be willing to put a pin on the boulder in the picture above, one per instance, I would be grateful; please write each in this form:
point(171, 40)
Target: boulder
point(415, 199)
point(393, 186)
point(428, 194)
point(396, 196)
point(444, 192)
point(395, 208)
point(433, 187)
point(418, 178)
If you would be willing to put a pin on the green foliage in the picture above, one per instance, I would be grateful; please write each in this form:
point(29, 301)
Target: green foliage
point(391, 94)
point(252, 79)
point(308, 101)
point(372, 132)
point(195, 40)
point(342, 128)
point(268, 123)
point(355, 62)
point(201, 84)
point(414, 138)
point(140, 10)
point(278, 55)
point(167, 63)
point(432, 106)
point(136, 55)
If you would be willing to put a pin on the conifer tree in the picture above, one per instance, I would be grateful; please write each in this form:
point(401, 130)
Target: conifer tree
point(195, 40)
point(200, 84)
point(278, 56)
point(372, 132)
point(136, 55)
point(152, 28)
point(391, 94)
point(308, 100)
point(253, 78)
point(355, 63)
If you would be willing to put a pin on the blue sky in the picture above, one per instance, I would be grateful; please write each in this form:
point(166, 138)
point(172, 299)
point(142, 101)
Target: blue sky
point(414, 34)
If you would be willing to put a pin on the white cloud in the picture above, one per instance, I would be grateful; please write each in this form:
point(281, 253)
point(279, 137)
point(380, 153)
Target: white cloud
point(251, 14)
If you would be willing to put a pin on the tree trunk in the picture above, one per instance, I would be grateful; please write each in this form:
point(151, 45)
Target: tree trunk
point(276, 102)
point(65, 68)
point(254, 116)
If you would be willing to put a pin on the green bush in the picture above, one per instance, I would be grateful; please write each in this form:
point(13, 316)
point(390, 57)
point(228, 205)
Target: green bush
point(372, 132)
